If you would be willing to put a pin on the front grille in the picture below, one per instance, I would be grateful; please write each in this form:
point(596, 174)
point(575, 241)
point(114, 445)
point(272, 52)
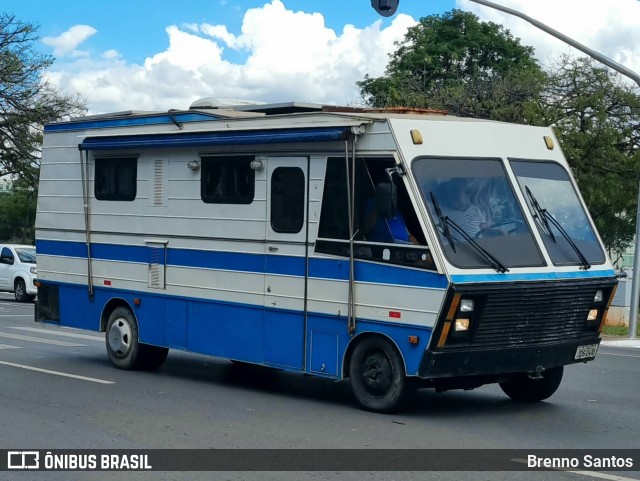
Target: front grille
point(534, 313)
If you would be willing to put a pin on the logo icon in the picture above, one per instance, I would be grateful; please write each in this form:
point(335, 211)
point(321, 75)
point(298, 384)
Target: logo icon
point(23, 460)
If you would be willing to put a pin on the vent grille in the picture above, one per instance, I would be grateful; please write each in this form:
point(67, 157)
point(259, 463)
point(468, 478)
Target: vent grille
point(157, 265)
point(533, 314)
point(528, 316)
point(158, 182)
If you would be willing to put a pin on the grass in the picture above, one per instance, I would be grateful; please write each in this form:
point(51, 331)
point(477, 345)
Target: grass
point(615, 331)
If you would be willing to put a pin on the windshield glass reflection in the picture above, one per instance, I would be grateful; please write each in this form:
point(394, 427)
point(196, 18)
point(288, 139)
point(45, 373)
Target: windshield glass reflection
point(472, 202)
point(551, 192)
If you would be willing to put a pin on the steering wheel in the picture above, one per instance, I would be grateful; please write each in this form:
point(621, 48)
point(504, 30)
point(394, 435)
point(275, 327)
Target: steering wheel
point(495, 231)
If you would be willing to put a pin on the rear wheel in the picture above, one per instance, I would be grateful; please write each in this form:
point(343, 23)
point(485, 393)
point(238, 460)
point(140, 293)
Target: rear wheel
point(523, 388)
point(377, 375)
point(123, 348)
point(20, 291)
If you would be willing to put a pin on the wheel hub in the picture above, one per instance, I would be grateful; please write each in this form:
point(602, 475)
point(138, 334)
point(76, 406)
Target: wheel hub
point(120, 337)
point(376, 374)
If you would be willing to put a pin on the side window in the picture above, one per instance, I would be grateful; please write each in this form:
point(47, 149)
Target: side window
point(7, 256)
point(116, 178)
point(386, 227)
point(227, 180)
point(334, 216)
point(287, 199)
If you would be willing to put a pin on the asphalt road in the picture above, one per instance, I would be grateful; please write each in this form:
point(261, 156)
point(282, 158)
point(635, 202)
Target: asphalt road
point(75, 399)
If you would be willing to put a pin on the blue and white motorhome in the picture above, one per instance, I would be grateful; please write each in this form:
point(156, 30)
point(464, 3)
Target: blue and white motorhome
point(397, 248)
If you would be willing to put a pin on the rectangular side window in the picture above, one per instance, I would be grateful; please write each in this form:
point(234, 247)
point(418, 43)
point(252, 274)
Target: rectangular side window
point(385, 225)
point(116, 178)
point(287, 200)
point(227, 180)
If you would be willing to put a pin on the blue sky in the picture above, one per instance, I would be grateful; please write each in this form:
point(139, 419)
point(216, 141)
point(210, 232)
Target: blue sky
point(161, 54)
point(136, 27)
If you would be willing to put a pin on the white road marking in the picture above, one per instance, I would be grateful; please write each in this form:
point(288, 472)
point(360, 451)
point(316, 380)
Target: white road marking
point(57, 331)
point(40, 340)
point(6, 346)
point(619, 355)
point(628, 343)
point(592, 474)
point(57, 373)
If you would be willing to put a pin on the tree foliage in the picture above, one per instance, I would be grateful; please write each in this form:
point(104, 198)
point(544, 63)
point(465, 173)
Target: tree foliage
point(27, 100)
point(457, 63)
point(17, 216)
point(597, 117)
point(477, 69)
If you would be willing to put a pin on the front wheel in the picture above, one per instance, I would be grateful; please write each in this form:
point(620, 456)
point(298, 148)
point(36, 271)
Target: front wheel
point(523, 388)
point(377, 376)
point(123, 348)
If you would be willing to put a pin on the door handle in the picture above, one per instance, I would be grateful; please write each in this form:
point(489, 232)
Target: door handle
point(272, 249)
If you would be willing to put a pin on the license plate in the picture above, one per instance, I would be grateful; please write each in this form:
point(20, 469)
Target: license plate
point(587, 351)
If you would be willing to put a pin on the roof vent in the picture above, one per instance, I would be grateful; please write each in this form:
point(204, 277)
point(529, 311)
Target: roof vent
point(221, 103)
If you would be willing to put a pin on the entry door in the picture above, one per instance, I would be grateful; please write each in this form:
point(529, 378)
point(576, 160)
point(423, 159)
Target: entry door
point(286, 261)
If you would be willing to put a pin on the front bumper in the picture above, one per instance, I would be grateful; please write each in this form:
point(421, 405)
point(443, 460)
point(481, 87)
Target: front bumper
point(446, 364)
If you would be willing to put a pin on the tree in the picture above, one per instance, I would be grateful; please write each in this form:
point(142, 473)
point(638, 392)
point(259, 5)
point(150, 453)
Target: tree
point(27, 100)
point(17, 216)
point(457, 63)
point(597, 117)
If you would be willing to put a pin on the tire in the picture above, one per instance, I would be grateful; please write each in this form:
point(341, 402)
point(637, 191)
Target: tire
point(20, 291)
point(523, 388)
point(377, 376)
point(123, 348)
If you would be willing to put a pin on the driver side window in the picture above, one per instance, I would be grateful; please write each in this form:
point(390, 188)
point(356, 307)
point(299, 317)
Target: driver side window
point(386, 228)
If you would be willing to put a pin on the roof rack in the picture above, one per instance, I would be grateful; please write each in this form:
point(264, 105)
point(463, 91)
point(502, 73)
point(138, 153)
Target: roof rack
point(298, 107)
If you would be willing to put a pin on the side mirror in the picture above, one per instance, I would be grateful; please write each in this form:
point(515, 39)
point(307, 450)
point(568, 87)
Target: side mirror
point(6, 260)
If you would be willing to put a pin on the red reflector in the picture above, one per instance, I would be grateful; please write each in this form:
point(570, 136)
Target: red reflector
point(395, 314)
point(107, 283)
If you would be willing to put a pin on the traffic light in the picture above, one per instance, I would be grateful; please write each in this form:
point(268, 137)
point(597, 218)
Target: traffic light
point(386, 8)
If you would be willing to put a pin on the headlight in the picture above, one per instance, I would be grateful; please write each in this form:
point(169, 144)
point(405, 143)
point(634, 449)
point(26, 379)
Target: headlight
point(593, 315)
point(599, 297)
point(466, 305)
point(462, 324)
point(33, 270)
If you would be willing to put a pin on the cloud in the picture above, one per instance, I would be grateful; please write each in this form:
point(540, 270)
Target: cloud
point(609, 27)
point(68, 42)
point(287, 56)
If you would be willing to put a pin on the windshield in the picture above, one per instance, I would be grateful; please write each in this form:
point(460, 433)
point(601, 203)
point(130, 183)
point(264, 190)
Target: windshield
point(471, 201)
point(27, 256)
point(549, 190)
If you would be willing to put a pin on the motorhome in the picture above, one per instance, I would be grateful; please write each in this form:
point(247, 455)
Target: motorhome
point(393, 248)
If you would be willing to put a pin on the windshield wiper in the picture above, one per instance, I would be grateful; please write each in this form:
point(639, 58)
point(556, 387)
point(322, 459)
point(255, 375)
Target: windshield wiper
point(546, 217)
point(443, 221)
point(446, 222)
point(541, 214)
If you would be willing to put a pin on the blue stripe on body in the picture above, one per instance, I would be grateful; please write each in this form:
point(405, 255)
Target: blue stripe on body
point(319, 268)
point(128, 122)
point(245, 332)
point(537, 276)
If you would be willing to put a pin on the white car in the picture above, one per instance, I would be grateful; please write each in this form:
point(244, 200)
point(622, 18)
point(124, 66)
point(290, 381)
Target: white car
point(18, 271)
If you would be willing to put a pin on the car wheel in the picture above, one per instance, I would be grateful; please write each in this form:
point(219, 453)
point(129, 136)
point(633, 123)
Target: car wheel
point(20, 291)
point(523, 388)
point(377, 376)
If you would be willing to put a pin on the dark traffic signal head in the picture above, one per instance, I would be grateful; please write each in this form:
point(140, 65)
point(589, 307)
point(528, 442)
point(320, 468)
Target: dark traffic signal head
point(386, 8)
